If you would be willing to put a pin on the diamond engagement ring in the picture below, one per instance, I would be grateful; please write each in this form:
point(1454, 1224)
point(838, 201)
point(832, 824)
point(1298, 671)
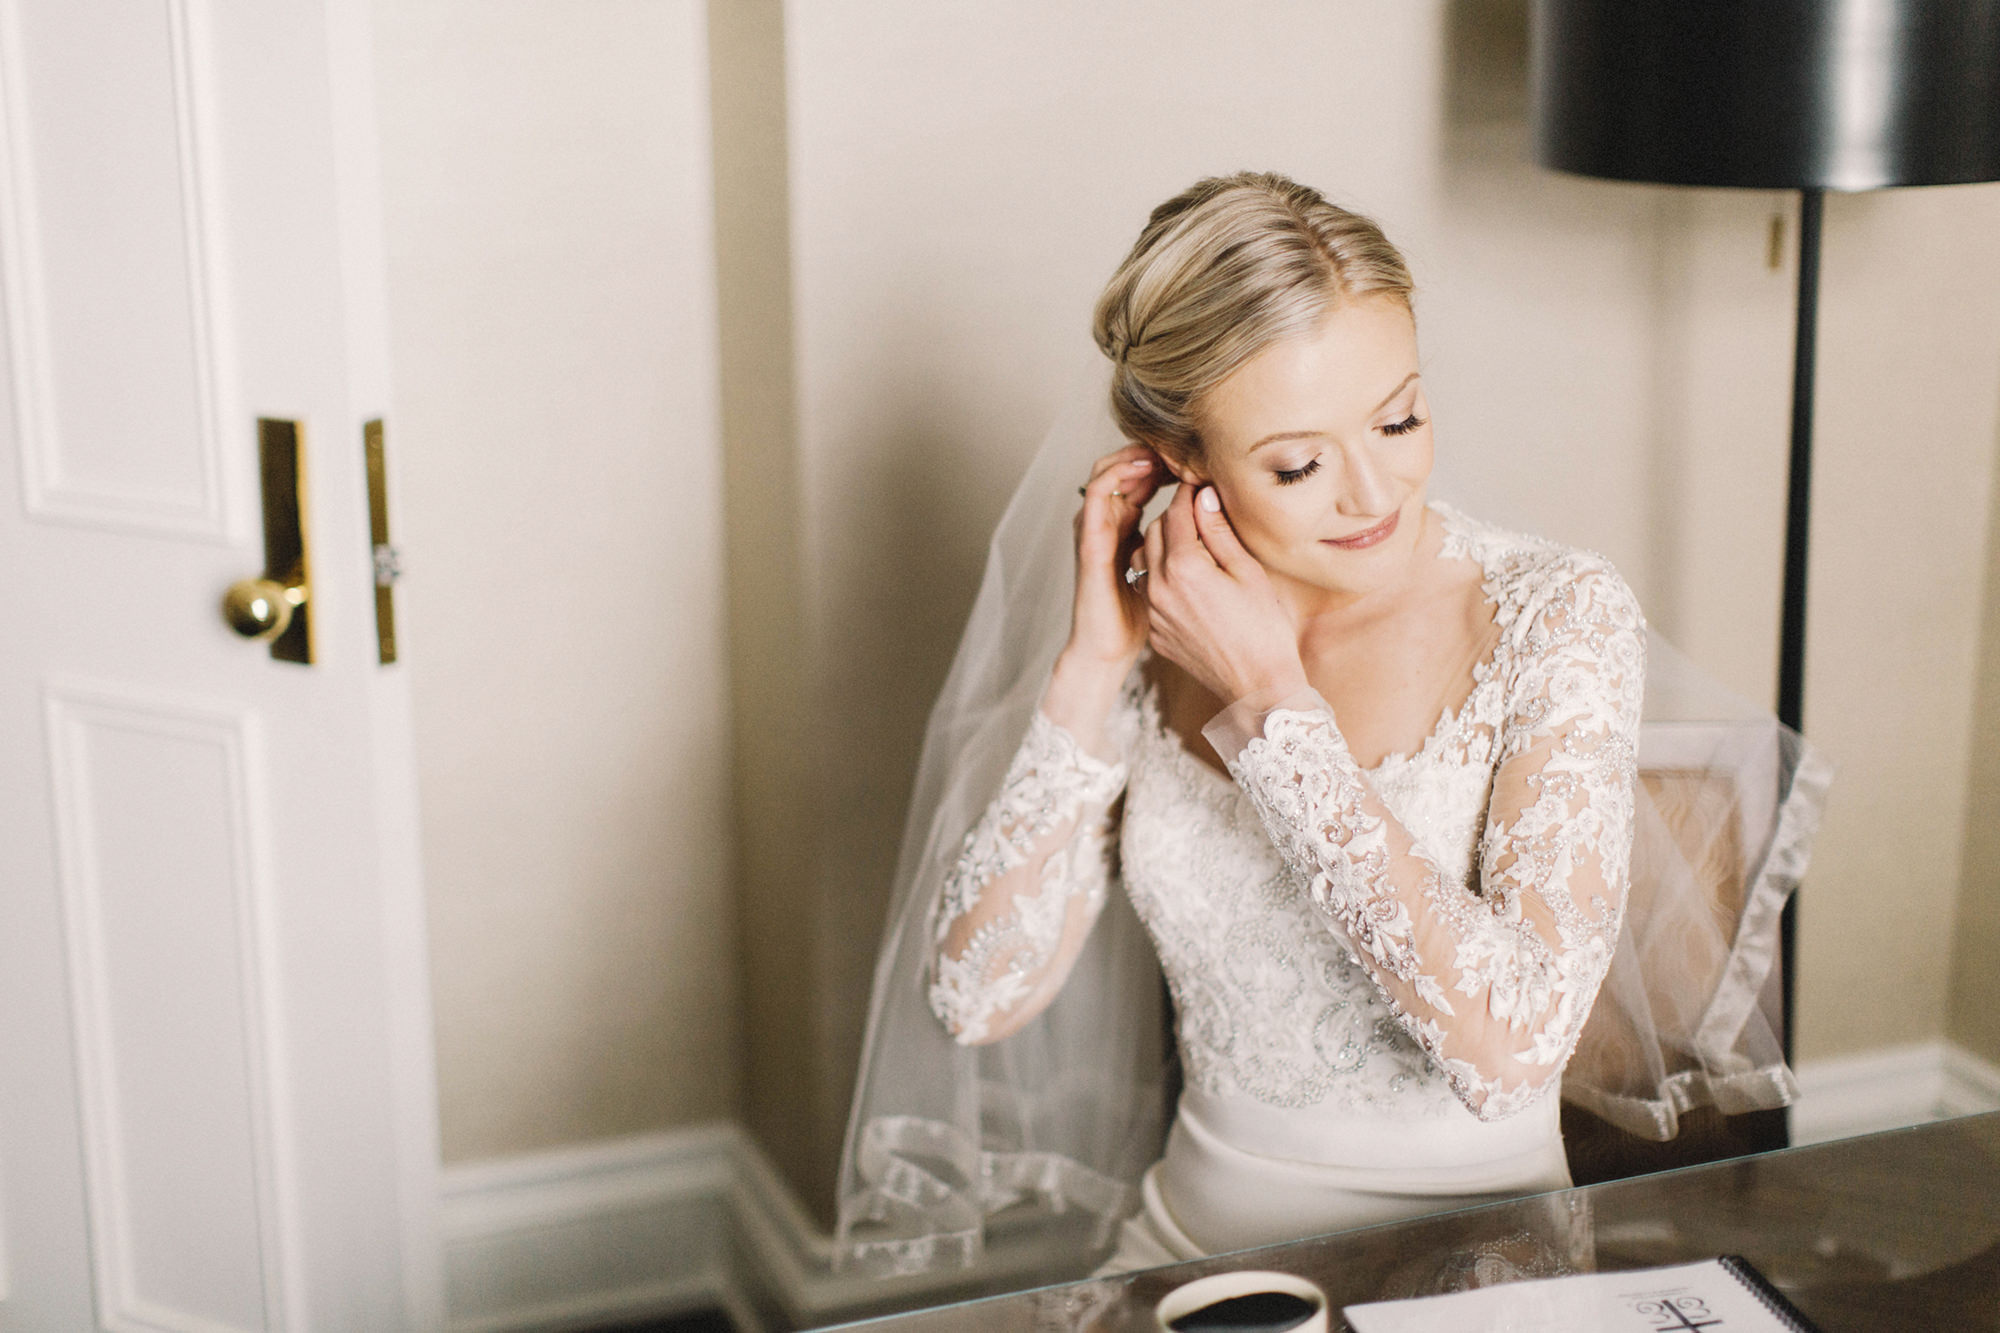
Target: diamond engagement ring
point(1132, 576)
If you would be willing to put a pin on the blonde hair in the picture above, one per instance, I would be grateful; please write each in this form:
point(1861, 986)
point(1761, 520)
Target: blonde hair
point(1221, 271)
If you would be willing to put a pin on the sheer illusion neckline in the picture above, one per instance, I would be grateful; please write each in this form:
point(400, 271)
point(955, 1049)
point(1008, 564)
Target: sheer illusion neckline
point(1451, 718)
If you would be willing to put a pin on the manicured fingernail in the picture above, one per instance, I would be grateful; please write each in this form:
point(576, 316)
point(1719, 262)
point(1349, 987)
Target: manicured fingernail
point(1140, 464)
point(1209, 500)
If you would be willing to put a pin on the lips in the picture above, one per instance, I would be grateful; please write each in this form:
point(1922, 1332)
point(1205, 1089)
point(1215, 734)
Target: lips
point(1367, 537)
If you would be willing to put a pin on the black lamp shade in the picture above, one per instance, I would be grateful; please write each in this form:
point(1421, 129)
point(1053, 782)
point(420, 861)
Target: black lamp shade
point(1769, 94)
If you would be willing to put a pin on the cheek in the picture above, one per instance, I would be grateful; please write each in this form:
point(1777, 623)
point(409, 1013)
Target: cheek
point(1270, 521)
point(1418, 469)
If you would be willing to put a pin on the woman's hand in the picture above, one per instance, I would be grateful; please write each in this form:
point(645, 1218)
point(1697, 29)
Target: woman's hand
point(1108, 619)
point(1211, 608)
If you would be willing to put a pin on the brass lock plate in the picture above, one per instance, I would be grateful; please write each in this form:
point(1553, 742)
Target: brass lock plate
point(384, 552)
point(281, 457)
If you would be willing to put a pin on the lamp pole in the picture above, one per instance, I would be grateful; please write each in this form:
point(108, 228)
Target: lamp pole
point(1798, 503)
point(1809, 97)
point(1798, 519)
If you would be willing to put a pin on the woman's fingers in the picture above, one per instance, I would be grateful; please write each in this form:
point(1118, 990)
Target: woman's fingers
point(1142, 478)
point(1128, 457)
point(1178, 524)
point(1119, 485)
point(1123, 476)
point(1216, 531)
point(1108, 617)
point(1155, 548)
point(1107, 524)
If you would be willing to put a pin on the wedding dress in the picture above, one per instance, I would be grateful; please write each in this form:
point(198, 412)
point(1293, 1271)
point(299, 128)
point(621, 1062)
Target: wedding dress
point(1320, 1087)
point(1314, 972)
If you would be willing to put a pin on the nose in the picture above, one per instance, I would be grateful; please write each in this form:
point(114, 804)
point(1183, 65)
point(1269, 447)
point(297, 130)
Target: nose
point(1368, 489)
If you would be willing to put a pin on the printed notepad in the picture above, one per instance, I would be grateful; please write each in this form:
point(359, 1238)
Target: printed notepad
point(1723, 1295)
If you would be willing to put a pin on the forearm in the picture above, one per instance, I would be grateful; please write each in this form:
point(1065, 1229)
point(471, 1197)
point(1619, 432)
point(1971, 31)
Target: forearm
point(1026, 886)
point(1082, 696)
point(1004, 962)
point(1492, 984)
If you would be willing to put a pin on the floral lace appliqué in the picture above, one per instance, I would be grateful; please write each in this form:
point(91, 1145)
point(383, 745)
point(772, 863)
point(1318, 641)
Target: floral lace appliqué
point(1270, 1006)
point(1030, 857)
point(1427, 934)
point(1527, 945)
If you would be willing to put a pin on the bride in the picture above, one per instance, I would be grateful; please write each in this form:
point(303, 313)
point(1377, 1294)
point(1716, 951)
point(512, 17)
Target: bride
point(1364, 767)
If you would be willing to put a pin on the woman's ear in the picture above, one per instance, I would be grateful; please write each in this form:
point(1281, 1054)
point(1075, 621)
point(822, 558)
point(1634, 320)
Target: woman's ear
point(1184, 469)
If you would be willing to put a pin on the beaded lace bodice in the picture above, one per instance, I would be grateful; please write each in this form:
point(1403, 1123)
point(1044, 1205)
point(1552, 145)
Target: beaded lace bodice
point(1400, 940)
point(1270, 1004)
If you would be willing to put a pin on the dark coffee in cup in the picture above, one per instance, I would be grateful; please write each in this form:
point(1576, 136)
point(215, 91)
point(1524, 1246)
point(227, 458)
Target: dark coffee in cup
point(1257, 1312)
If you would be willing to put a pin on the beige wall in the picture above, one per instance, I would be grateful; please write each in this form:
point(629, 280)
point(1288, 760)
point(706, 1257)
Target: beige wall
point(1975, 975)
point(777, 780)
point(917, 203)
point(1609, 364)
point(554, 432)
point(1909, 408)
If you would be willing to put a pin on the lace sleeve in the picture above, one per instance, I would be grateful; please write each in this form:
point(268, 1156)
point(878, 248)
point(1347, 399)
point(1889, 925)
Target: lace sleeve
point(1025, 890)
point(1496, 982)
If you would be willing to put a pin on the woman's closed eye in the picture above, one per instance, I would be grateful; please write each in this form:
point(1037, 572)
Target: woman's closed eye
point(1286, 476)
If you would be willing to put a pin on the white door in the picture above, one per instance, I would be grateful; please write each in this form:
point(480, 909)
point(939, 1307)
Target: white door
point(216, 1089)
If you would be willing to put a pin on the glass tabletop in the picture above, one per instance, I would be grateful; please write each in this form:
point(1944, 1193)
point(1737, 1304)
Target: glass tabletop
point(1894, 1231)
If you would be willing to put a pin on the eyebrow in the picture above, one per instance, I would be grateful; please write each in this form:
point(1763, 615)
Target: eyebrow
point(1315, 434)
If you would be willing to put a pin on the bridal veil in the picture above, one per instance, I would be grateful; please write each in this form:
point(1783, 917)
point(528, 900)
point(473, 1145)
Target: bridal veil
point(1043, 1135)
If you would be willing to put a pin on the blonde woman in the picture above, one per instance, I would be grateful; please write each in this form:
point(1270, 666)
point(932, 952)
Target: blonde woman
point(1363, 766)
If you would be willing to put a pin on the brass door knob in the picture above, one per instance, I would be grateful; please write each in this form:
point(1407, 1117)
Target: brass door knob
point(261, 608)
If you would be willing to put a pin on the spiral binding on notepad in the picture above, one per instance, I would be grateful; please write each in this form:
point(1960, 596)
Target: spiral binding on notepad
point(1774, 1300)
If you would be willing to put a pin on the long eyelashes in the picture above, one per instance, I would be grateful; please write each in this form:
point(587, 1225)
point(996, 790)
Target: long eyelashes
point(1287, 477)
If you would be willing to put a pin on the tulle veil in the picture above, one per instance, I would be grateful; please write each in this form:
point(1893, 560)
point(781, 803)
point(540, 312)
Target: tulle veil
point(1044, 1134)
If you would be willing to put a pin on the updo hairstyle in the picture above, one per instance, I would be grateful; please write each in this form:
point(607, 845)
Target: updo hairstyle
point(1222, 271)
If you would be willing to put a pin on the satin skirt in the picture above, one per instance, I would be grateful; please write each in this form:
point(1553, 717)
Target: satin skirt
point(1209, 1194)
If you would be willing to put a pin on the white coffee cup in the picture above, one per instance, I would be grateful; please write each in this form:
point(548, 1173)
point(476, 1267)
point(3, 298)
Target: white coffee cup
point(1207, 1291)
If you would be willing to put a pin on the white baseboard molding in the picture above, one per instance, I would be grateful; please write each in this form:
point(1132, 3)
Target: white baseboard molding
point(699, 1218)
point(1891, 1088)
point(587, 1235)
point(654, 1225)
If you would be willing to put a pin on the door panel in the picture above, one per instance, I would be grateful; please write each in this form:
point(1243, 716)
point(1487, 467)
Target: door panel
point(166, 907)
point(107, 255)
point(217, 1105)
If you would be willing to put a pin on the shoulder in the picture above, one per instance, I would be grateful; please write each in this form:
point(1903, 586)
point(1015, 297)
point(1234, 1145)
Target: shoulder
point(1578, 593)
point(1573, 640)
point(1539, 585)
